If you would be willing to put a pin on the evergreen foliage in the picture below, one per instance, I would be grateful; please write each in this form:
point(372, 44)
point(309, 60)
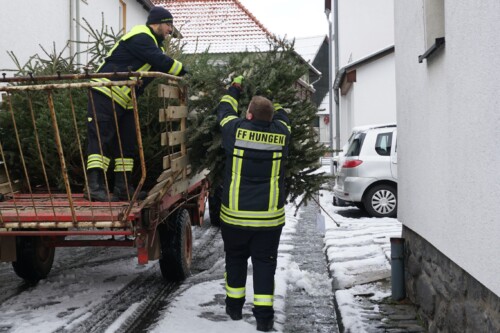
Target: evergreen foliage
point(273, 73)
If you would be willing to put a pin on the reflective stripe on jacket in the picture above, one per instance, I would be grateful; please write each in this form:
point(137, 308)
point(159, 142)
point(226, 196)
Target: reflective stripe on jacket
point(138, 50)
point(253, 195)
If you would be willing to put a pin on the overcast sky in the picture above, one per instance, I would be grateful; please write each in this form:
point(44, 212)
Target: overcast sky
point(295, 18)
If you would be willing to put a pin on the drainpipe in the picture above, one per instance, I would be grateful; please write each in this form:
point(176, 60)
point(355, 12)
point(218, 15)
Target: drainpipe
point(71, 50)
point(397, 269)
point(337, 108)
point(328, 10)
point(77, 28)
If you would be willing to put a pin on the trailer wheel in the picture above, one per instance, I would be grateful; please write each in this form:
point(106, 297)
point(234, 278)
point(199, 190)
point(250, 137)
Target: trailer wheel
point(176, 246)
point(34, 258)
point(214, 204)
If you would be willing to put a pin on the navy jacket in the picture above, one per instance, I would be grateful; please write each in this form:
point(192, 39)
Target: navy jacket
point(254, 187)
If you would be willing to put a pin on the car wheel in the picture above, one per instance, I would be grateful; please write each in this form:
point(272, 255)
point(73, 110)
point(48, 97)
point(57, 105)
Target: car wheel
point(176, 242)
point(34, 258)
point(381, 201)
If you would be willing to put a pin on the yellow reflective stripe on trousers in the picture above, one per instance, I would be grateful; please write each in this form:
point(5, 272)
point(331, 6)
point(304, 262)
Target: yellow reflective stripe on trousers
point(229, 99)
point(234, 188)
point(275, 177)
point(263, 300)
point(253, 223)
point(97, 161)
point(124, 164)
point(255, 214)
point(234, 292)
point(226, 120)
point(176, 68)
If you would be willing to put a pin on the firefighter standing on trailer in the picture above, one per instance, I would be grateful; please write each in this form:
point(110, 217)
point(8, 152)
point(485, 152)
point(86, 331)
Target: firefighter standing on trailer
point(139, 50)
point(252, 210)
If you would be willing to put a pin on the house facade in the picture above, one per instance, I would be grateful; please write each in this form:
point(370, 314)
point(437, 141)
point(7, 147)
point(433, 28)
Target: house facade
point(61, 21)
point(447, 74)
point(315, 51)
point(366, 76)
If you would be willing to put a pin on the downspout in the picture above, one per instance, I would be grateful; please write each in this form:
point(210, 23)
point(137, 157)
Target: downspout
point(77, 28)
point(330, 81)
point(71, 50)
point(337, 107)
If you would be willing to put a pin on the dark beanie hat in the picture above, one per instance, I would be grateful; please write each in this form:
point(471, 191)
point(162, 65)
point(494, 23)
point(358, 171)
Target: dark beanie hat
point(159, 15)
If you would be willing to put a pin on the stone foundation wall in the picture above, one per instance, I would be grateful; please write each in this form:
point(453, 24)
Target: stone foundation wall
point(449, 299)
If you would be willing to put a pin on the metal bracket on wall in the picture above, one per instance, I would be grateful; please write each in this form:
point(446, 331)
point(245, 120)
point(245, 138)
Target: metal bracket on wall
point(438, 44)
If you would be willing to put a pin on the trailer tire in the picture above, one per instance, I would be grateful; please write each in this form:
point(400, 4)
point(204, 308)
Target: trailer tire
point(34, 258)
point(176, 242)
point(214, 204)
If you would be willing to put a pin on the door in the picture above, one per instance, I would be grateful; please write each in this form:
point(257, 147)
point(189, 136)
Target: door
point(394, 155)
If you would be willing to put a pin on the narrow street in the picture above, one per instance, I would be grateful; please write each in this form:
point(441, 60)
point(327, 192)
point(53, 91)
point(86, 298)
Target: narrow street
point(329, 279)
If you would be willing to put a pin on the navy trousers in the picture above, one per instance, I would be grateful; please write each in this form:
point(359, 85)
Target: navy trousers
point(262, 247)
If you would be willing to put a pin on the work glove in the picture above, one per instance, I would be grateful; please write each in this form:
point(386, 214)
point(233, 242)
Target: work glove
point(238, 82)
point(183, 71)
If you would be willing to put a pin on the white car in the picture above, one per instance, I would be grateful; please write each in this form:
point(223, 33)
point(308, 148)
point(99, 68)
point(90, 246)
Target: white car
point(367, 172)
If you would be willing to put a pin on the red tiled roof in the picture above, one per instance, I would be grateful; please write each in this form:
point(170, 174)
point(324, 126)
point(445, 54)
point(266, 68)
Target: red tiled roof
point(225, 26)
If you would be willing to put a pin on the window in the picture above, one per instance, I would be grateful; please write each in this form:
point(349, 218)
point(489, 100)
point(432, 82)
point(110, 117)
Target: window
point(383, 144)
point(122, 15)
point(355, 146)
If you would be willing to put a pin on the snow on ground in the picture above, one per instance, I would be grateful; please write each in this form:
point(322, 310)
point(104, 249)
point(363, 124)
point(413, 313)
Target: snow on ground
point(201, 307)
point(64, 300)
point(358, 255)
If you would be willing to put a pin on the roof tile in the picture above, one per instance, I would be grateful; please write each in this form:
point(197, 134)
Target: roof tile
point(224, 26)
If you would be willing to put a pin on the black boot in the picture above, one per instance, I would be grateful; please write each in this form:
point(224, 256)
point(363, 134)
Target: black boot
point(123, 180)
point(265, 325)
point(235, 314)
point(97, 189)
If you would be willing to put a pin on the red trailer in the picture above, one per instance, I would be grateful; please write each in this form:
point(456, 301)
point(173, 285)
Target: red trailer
point(36, 215)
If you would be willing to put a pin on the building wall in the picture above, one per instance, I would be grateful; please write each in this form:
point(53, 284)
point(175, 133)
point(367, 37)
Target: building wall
point(320, 62)
point(365, 27)
point(30, 23)
point(371, 99)
point(448, 119)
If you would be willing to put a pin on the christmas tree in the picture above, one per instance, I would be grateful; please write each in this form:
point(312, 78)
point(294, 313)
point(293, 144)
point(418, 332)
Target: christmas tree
point(273, 73)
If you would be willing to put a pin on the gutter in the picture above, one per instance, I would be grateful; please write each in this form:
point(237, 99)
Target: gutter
point(366, 60)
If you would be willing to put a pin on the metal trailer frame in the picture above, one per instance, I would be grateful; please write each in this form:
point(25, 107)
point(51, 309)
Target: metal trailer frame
point(47, 219)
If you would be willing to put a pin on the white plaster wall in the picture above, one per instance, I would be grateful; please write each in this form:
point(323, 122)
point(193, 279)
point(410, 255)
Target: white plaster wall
point(371, 99)
point(365, 27)
point(30, 23)
point(448, 121)
point(26, 24)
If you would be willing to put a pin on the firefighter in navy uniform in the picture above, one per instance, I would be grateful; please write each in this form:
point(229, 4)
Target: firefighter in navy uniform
point(139, 50)
point(252, 210)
